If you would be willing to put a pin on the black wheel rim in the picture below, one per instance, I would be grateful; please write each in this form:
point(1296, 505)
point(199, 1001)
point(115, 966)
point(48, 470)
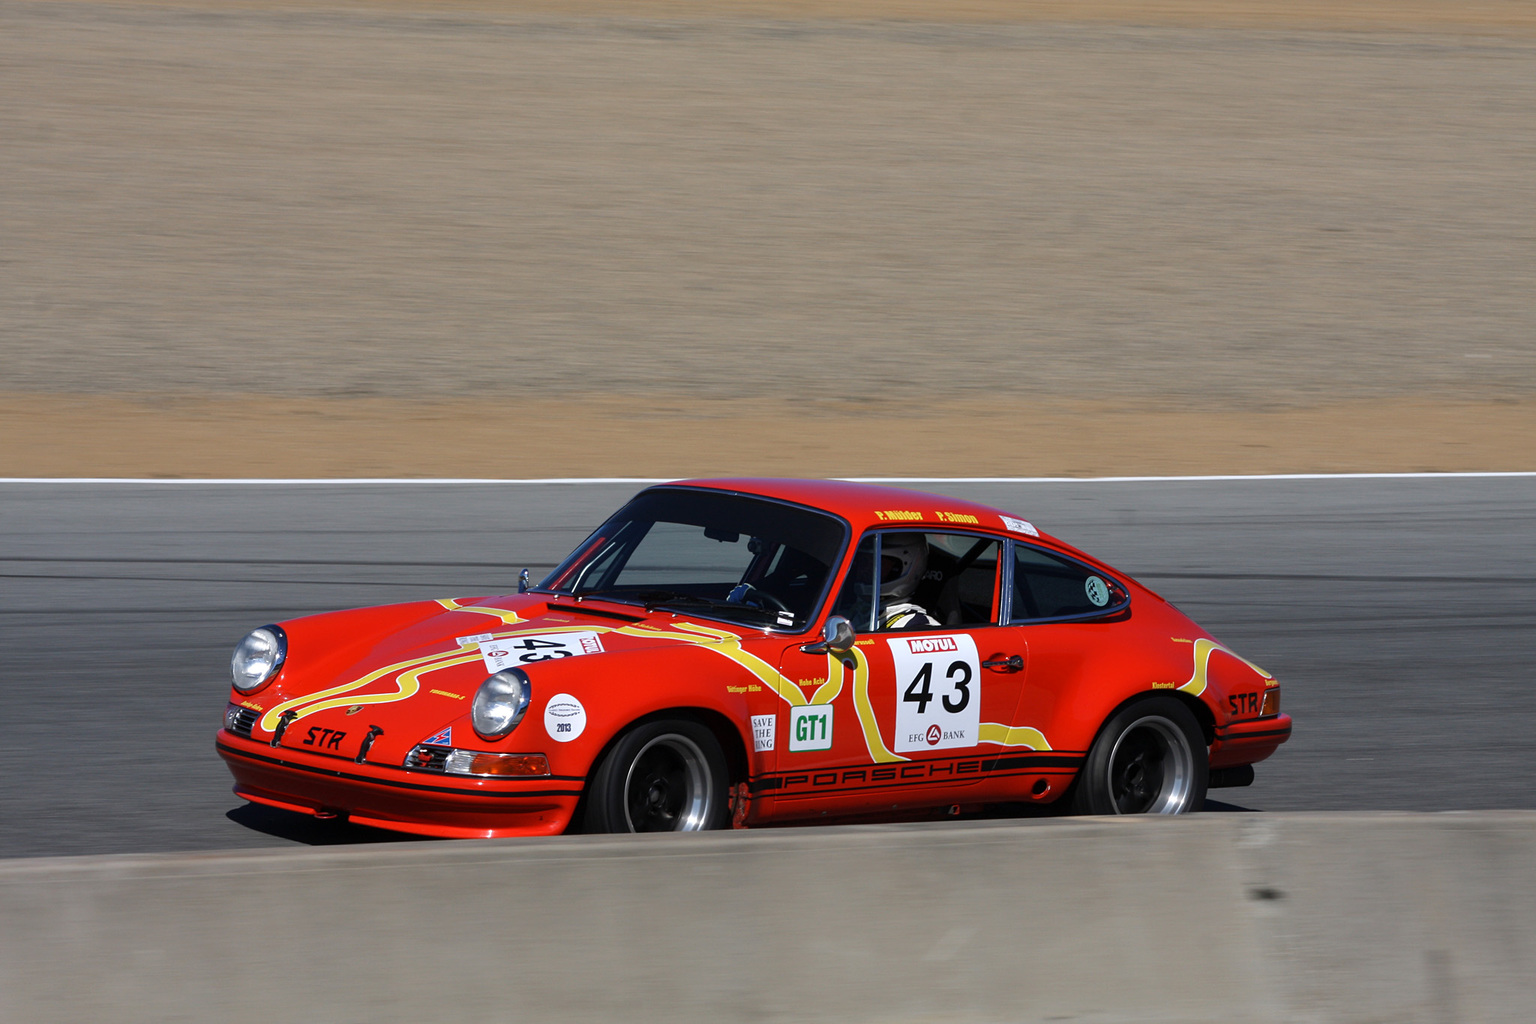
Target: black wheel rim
point(668, 787)
point(1151, 769)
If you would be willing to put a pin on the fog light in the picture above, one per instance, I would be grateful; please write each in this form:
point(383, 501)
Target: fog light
point(470, 762)
point(1271, 701)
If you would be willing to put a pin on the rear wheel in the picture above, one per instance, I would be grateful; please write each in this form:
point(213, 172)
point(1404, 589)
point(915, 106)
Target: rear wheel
point(663, 776)
point(1149, 758)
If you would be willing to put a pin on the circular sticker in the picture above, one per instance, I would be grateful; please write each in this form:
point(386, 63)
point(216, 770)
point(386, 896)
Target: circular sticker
point(564, 718)
point(1098, 591)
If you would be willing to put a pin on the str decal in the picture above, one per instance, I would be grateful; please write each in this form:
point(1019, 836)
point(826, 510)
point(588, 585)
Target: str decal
point(325, 738)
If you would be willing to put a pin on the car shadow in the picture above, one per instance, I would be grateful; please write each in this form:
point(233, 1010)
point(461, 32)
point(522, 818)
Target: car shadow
point(311, 831)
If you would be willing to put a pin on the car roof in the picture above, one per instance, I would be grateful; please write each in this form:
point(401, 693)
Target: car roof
point(866, 505)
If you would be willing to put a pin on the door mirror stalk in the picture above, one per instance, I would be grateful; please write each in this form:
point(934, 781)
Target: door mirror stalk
point(837, 637)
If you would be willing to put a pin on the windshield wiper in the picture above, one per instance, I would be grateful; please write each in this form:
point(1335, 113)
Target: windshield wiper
point(712, 603)
point(658, 598)
point(604, 595)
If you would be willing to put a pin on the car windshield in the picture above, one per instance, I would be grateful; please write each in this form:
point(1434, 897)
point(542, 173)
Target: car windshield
point(710, 553)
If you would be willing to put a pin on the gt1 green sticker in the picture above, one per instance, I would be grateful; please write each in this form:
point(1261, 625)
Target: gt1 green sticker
point(810, 728)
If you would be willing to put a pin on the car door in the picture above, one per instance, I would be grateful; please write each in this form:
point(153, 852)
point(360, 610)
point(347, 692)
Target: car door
point(1065, 609)
point(902, 720)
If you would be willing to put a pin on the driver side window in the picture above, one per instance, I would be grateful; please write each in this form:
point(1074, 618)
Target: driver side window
point(925, 581)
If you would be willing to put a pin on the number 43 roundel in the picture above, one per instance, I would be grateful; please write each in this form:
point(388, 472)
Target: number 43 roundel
point(938, 692)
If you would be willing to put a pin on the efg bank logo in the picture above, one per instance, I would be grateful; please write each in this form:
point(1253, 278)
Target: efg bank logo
point(934, 735)
point(930, 644)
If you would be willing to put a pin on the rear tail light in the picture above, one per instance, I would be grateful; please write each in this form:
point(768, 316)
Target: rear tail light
point(1271, 702)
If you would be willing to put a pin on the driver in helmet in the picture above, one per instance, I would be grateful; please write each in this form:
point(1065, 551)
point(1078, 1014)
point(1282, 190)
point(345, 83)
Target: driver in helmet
point(903, 560)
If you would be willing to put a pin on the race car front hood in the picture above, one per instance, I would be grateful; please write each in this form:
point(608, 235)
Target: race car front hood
point(409, 672)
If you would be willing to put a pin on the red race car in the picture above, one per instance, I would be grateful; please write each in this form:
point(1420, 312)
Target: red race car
point(751, 652)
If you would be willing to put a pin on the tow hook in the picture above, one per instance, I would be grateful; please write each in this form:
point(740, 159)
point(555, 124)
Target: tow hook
point(374, 732)
point(283, 721)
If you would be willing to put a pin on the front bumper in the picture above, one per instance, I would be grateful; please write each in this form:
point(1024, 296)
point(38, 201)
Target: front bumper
point(1249, 741)
point(392, 797)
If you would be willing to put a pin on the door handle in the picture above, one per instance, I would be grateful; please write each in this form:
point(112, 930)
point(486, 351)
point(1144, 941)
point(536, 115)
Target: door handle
point(1011, 663)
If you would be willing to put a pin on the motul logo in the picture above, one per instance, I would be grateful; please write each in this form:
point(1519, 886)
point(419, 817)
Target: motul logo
point(929, 644)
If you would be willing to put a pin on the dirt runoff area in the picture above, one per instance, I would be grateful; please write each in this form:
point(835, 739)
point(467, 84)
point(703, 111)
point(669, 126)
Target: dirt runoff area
point(667, 238)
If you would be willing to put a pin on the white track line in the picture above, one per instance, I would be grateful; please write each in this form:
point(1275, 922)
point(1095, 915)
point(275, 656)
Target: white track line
point(640, 481)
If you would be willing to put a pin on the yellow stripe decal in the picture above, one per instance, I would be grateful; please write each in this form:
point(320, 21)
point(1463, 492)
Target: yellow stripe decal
point(1203, 649)
point(511, 618)
point(1013, 736)
point(720, 641)
point(407, 683)
point(878, 752)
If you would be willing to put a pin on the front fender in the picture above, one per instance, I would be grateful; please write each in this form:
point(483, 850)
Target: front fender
point(616, 690)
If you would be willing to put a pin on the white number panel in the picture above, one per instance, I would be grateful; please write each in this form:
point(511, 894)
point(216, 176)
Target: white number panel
point(938, 692)
point(511, 651)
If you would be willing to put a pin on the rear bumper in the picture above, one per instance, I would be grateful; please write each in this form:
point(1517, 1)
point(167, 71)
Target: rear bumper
point(1250, 741)
point(422, 803)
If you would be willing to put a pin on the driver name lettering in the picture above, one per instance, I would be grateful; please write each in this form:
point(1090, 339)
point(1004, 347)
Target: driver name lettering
point(957, 517)
point(898, 515)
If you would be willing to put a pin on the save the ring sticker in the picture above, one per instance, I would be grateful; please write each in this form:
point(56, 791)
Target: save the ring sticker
point(1097, 591)
point(511, 651)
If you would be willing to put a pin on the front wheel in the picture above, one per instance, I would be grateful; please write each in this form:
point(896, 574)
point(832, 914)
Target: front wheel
point(663, 776)
point(1149, 758)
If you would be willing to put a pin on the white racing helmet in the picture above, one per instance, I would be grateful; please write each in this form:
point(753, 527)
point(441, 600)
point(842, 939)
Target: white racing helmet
point(903, 560)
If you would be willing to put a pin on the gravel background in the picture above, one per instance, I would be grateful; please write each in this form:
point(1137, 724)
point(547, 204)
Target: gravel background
point(320, 201)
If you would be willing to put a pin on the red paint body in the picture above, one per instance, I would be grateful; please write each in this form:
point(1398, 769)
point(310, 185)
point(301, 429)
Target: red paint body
point(401, 669)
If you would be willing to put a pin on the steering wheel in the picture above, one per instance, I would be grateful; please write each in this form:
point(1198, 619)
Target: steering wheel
point(743, 593)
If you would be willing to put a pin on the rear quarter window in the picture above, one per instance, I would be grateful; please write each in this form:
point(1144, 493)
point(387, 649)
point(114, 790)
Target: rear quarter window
point(1048, 586)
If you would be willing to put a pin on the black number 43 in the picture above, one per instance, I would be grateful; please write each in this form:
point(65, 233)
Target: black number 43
point(532, 645)
point(920, 690)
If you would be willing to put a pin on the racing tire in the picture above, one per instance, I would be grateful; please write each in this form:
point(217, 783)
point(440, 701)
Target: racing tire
point(1150, 758)
point(662, 776)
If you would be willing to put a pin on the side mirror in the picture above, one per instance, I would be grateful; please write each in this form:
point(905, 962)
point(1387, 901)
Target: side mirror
point(836, 638)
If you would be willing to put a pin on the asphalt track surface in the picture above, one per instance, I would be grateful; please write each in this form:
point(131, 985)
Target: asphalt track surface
point(1399, 614)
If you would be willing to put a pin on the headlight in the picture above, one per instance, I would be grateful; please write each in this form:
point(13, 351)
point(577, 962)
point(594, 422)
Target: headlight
point(500, 703)
point(258, 657)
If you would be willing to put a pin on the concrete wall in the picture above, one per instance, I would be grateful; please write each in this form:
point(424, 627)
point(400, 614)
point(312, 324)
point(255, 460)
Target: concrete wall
point(1231, 918)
